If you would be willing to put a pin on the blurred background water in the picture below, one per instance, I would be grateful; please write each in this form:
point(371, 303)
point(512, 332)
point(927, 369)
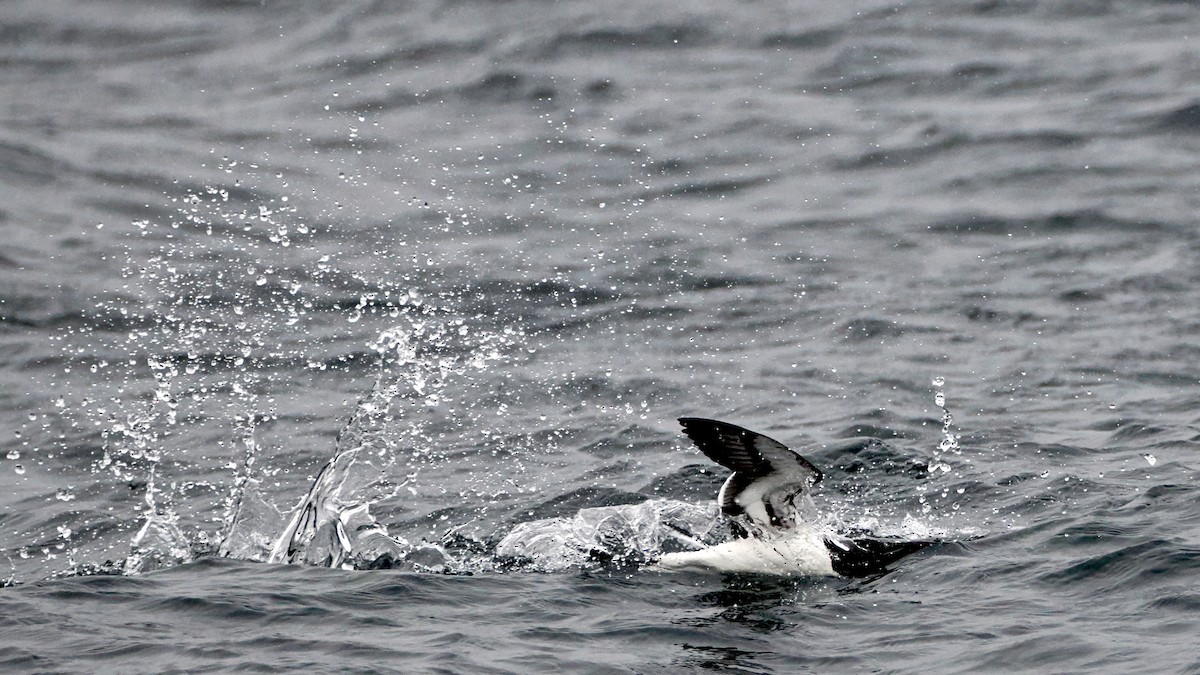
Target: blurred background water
point(505, 244)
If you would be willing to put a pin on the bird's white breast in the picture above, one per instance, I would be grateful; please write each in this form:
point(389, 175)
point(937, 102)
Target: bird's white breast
point(792, 554)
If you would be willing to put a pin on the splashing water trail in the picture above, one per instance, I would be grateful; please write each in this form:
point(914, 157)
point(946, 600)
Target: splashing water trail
point(938, 465)
point(949, 441)
point(332, 526)
point(220, 339)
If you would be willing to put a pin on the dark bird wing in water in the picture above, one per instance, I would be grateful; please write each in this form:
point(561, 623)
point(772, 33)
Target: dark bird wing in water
point(767, 476)
point(868, 556)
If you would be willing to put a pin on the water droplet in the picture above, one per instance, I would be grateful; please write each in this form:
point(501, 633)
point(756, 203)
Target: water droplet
point(940, 400)
point(14, 454)
point(1150, 459)
point(939, 381)
point(20, 470)
point(354, 316)
point(64, 495)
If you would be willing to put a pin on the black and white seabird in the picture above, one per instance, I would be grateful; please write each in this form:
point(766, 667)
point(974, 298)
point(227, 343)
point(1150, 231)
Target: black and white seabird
point(762, 498)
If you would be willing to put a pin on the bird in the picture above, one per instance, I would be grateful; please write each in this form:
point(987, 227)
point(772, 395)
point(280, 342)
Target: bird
point(765, 500)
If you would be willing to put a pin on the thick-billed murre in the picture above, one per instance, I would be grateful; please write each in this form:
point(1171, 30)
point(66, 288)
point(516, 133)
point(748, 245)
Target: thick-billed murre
point(762, 499)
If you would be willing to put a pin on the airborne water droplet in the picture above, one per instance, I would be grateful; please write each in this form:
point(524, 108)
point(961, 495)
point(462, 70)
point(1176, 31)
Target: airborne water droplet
point(14, 454)
point(939, 381)
point(1150, 459)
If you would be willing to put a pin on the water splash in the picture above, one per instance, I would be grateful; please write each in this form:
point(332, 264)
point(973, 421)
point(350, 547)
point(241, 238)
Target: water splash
point(160, 542)
point(182, 364)
point(928, 495)
point(381, 450)
point(245, 511)
point(622, 535)
point(949, 440)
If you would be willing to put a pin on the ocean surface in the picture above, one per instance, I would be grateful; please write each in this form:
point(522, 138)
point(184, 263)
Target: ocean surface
point(449, 270)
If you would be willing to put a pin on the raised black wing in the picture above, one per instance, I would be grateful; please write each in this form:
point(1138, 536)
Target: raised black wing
point(765, 471)
point(747, 452)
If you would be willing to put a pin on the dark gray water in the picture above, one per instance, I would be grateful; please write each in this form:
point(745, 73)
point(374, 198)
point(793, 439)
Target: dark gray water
point(500, 247)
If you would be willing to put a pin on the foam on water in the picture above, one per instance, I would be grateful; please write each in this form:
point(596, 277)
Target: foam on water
point(626, 534)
